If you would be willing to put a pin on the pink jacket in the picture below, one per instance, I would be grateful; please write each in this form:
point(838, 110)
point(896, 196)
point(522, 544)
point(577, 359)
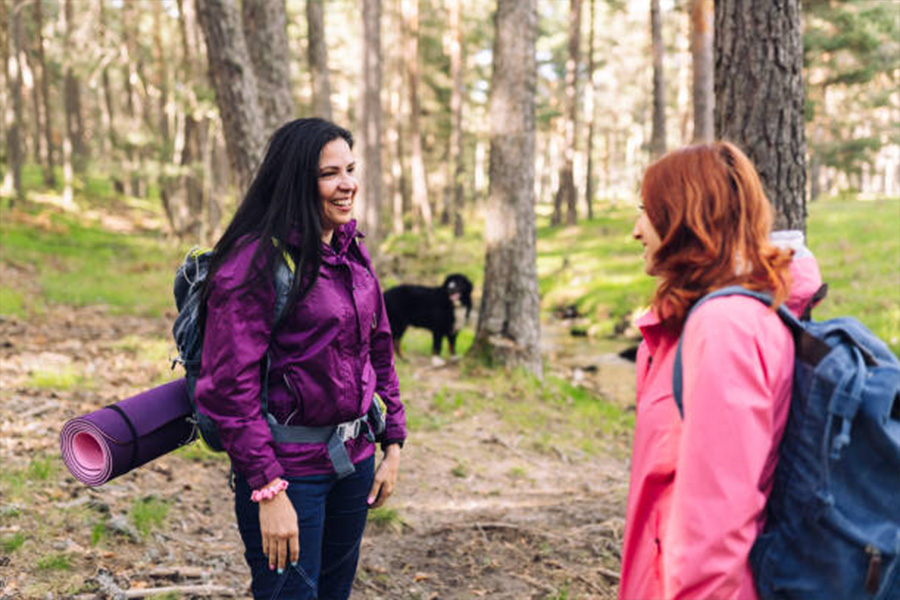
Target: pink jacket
point(699, 485)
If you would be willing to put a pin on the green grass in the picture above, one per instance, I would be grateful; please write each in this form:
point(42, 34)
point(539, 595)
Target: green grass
point(11, 543)
point(385, 517)
point(54, 562)
point(64, 378)
point(857, 245)
point(148, 513)
point(79, 263)
point(12, 303)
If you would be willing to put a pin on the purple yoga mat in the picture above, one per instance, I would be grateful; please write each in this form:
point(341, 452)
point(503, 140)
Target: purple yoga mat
point(112, 441)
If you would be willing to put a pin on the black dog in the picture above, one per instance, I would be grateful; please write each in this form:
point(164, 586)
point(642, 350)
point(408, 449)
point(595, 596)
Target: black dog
point(432, 308)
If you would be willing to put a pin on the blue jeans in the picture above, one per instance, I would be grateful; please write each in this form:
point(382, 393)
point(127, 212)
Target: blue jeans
point(331, 515)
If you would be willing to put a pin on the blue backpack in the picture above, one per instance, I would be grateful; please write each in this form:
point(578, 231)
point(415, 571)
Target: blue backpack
point(833, 518)
point(188, 332)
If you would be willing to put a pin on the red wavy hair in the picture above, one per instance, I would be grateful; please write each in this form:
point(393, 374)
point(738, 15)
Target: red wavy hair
point(713, 219)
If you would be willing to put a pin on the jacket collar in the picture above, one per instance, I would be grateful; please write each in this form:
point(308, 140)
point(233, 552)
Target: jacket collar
point(340, 243)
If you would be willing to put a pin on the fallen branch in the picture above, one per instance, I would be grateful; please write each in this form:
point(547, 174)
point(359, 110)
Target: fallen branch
point(197, 590)
point(178, 573)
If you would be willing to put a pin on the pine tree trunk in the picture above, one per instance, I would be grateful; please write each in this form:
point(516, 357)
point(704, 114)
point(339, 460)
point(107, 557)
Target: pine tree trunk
point(702, 16)
point(72, 94)
point(235, 84)
point(265, 34)
point(419, 182)
point(658, 137)
point(192, 153)
point(108, 105)
point(50, 164)
point(317, 54)
point(508, 330)
point(567, 192)
point(28, 56)
point(456, 118)
point(14, 145)
point(369, 134)
point(759, 97)
point(591, 110)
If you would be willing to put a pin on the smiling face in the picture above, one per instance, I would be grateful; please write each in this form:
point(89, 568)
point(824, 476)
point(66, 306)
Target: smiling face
point(337, 185)
point(645, 233)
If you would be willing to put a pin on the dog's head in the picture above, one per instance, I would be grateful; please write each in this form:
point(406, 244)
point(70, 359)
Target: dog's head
point(459, 291)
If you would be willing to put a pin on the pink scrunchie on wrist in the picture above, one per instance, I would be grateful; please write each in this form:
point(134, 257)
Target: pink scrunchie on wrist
point(267, 493)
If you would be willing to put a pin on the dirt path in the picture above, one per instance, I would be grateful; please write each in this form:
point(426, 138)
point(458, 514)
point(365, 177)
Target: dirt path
point(477, 514)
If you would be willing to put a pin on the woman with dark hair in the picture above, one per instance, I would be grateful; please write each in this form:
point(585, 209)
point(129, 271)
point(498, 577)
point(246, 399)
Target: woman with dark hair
point(699, 483)
point(301, 506)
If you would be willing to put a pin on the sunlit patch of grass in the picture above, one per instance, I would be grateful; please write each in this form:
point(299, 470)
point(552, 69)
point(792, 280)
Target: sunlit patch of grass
point(62, 378)
point(386, 518)
point(80, 263)
point(858, 249)
point(198, 451)
point(56, 561)
point(148, 513)
point(11, 543)
point(42, 468)
point(12, 302)
point(460, 470)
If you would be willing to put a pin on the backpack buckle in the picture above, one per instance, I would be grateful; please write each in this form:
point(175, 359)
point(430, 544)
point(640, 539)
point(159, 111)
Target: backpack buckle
point(349, 431)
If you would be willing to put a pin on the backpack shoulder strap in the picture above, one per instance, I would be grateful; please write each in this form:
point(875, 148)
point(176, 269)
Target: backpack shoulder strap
point(733, 290)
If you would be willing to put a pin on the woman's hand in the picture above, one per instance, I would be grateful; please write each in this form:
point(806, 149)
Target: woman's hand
point(280, 532)
point(385, 476)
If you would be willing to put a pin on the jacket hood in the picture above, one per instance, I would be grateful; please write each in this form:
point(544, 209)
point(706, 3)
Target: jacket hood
point(806, 279)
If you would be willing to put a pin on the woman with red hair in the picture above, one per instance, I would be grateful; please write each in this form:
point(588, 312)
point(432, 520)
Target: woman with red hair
point(699, 484)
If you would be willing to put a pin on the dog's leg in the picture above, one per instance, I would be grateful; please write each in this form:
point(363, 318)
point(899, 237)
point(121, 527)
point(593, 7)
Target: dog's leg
point(397, 348)
point(451, 342)
point(436, 339)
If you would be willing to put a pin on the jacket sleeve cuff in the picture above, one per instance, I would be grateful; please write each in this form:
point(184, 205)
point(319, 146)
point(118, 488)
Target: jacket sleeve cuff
point(261, 478)
point(390, 442)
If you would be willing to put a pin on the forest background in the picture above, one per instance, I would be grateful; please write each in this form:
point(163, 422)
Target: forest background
point(116, 159)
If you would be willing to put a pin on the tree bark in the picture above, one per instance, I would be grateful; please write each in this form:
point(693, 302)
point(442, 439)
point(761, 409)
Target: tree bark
point(567, 192)
point(658, 137)
point(192, 151)
point(702, 16)
point(108, 105)
point(508, 330)
point(369, 134)
point(49, 165)
point(457, 170)
point(74, 117)
point(235, 85)
point(759, 97)
point(317, 54)
point(419, 182)
point(14, 149)
point(265, 33)
point(591, 111)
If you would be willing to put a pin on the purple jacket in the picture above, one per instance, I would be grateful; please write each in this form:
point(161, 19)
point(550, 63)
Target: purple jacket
point(331, 352)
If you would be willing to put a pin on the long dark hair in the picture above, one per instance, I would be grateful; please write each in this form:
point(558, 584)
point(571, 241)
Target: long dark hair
point(283, 198)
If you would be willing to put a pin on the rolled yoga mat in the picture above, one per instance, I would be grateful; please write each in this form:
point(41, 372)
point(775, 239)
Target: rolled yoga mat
point(112, 441)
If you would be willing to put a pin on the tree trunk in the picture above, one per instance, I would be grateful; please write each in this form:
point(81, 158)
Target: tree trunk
point(658, 137)
point(192, 153)
point(74, 117)
point(401, 198)
point(108, 105)
point(419, 182)
point(317, 54)
point(702, 15)
point(49, 165)
point(369, 134)
point(27, 63)
point(567, 192)
point(457, 170)
point(14, 149)
point(591, 111)
point(265, 33)
point(759, 97)
point(235, 85)
point(508, 330)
